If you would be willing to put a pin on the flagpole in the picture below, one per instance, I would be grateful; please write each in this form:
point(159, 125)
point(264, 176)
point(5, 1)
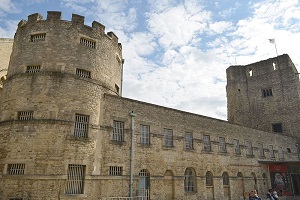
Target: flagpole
point(275, 48)
point(273, 42)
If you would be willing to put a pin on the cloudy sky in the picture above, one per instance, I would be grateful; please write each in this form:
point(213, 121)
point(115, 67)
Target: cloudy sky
point(176, 51)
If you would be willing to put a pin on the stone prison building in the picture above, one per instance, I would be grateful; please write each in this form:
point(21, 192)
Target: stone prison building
point(67, 133)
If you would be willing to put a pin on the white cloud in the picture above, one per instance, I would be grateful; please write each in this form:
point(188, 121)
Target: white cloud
point(178, 25)
point(7, 6)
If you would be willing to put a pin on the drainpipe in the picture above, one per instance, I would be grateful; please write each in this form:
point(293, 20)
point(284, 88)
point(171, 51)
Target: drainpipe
point(131, 153)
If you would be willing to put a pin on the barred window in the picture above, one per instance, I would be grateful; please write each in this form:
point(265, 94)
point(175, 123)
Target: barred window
point(267, 92)
point(88, 43)
point(206, 142)
point(115, 171)
point(25, 115)
point(280, 153)
point(222, 144)
point(38, 37)
point(81, 125)
point(18, 198)
point(249, 148)
point(144, 134)
point(15, 169)
point(261, 149)
point(189, 180)
point(168, 136)
point(33, 69)
point(188, 140)
point(209, 179)
point(83, 73)
point(236, 144)
point(271, 150)
point(118, 132)
point(225, 178)
point(75, 181)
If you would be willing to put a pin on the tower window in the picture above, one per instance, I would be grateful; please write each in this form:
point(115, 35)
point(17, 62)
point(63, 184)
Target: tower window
point(15, 169)
point(75, 181)
point(250, 72)
point(83, 73)
point(277, 128)
point(81, 125)
point(33, 69)
point(25, 115)
point(267, 92)
point(88, 43)
point(38, 37)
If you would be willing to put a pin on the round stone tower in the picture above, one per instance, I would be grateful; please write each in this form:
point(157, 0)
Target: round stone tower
point(50, 105)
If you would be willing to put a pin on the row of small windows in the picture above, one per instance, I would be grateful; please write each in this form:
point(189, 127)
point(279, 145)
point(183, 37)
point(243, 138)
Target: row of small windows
point(41, 37)
point(81, 128)
point(76, 177)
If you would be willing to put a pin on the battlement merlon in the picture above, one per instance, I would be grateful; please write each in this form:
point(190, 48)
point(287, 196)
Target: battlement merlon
point(34, 17)
point(77, 21)
point(53, 15)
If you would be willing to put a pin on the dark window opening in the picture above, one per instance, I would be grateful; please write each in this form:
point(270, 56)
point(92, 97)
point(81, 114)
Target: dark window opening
point(289, 150)
point(277, 128)
point(267, 92)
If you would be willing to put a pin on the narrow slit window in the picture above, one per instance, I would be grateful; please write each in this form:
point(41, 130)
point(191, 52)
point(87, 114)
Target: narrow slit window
point(25, 115)
point(83, 73)
point(250, 72)
point(38, 37)
point(33, 69)
point(88, 43)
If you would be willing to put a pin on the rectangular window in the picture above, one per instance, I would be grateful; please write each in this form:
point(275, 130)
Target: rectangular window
point(272, 155)
point(15, 169)
point(277, 128)
point(280, 153)
point(261, 150)
point(33, 69)
point(88, 43)
point(144, 134)
point(188, 140)
point(81, 126)
point(83, 73)
point(249, 148)
point(38, 37)
point(267, 92)
point(168, 136)
point(115, 171)
point(118, 132)
point(236, 146)
point(75, 181)
point(222, 145)
point(25, 115)
point(206, 143)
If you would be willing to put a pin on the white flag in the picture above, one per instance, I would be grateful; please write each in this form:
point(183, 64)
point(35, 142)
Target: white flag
point(272, 41)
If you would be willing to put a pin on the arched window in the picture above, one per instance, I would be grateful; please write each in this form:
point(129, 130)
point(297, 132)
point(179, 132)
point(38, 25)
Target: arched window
point(209, 179)
point(144, 184)
point(189, 180)
point(225, 178)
